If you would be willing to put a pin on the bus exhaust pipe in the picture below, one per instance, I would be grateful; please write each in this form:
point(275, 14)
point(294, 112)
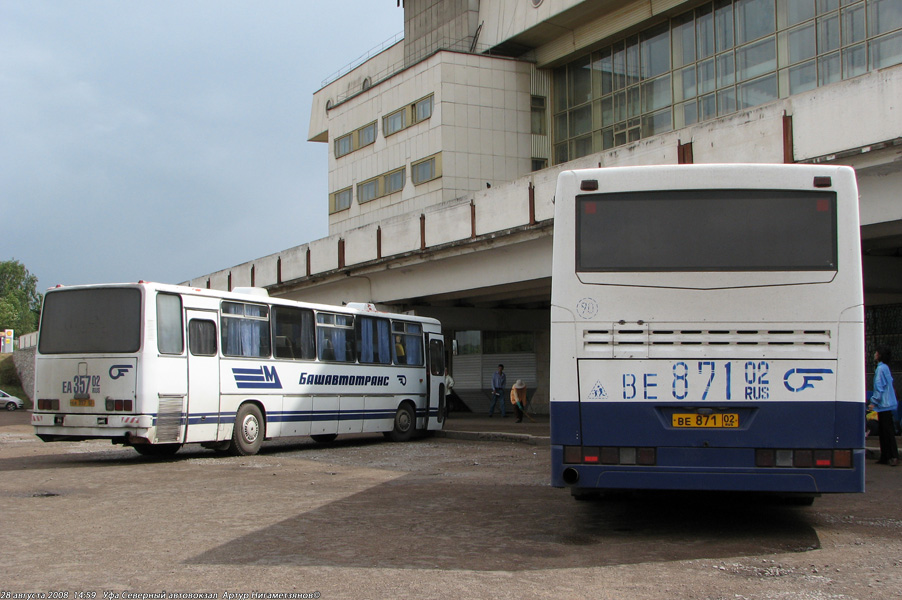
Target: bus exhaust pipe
point(571, 476)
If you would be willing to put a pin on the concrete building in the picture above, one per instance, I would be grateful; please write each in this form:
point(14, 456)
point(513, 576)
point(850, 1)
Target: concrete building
point(445, 146)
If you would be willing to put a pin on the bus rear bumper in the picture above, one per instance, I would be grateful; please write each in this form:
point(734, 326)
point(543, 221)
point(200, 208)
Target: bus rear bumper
point(56, 427)
point(708, 478)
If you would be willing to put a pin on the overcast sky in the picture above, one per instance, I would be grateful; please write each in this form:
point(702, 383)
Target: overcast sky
point(167, 139)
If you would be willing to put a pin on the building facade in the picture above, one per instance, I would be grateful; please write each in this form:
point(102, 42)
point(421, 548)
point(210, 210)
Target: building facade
point(444, 148)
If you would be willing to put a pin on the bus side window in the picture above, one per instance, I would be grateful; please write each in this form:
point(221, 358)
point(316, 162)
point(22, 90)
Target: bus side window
point(245, 329)
point(169, 324)
point(408, 343)
point(293, 333)
point(335, 337)
point(202, 337)
point(373, 341)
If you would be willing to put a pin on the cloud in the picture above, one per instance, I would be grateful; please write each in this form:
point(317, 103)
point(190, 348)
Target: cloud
point(166, 139)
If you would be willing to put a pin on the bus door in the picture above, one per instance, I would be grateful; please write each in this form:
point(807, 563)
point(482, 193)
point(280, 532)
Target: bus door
point(435, 386)
point(203, 377)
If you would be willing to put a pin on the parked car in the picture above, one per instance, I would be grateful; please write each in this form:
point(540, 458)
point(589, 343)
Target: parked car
point(10, 402)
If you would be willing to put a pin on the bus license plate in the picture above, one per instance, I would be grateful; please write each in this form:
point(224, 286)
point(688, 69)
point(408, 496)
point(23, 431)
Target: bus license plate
point(82, 402)
point(715, 421)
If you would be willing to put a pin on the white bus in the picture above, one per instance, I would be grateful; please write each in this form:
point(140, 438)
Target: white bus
point(708, 330)
point(157, 366)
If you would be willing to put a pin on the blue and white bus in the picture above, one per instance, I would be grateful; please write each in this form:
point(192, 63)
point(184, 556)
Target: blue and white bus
point(157, 366)
point(708, 330)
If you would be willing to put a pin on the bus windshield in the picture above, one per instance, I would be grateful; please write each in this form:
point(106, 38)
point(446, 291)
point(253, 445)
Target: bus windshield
point(707, 230)
point(103, 320)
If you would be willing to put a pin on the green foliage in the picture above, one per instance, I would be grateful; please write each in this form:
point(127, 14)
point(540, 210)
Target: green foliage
point(20, 302)
point(8, 374)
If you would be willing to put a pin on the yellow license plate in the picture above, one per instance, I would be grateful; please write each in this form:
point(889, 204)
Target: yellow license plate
point(716, 420)
point(82, 402)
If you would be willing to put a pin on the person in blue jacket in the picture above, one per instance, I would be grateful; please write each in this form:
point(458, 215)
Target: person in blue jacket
point(884, 403)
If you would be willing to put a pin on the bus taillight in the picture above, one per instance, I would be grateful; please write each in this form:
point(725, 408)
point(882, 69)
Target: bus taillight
point(803, 459)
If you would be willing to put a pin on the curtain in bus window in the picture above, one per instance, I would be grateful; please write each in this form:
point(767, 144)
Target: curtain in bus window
point(414, 348)
point(335, 344)
point(374, 340)
point(366, 340)
point(245, 337)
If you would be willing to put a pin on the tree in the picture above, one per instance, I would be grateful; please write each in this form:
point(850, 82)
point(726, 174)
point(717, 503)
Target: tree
point(20, 302)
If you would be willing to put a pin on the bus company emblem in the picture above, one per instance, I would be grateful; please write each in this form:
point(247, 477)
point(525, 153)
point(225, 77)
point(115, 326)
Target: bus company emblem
point(402, 379)
point(598, 392)
point(263, 378)
point(117, 371)
point(808, 376)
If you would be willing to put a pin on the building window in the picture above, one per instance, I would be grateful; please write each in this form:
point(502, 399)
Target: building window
point(340, 200)
point(395, 122)
point(538, 115)
point(419, 111)
point(423, 109)
point(425, 170)
point(539, 163)
point(366, 135)
point(355, 140)
point(367, 191)
point(723, 56)
point(343, 145)
point(393, 182)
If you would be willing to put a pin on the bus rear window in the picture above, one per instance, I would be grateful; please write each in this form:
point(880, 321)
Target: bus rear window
point(90, 321)
point(707, 230)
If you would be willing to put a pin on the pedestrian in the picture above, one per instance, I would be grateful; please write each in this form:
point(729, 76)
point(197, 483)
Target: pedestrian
point(518, 399)
point(884, 403)
point(498, 381)
point(449, 385)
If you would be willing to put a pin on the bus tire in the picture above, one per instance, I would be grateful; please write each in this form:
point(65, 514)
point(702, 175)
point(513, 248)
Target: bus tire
point(405, 423)
point(247, 436)
point(158, 450)
point(324, 438)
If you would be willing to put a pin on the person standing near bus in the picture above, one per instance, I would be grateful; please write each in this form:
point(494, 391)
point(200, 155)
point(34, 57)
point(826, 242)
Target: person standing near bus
point(884, 403)
point(518, 399)
point(498, 381)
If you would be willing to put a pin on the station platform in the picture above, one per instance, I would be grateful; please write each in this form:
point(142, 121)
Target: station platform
point(475, 426)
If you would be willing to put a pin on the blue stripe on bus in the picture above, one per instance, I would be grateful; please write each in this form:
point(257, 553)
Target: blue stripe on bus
point(766, 425)
point(302, 416)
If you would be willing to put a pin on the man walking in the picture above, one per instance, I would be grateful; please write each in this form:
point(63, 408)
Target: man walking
point(498, 381)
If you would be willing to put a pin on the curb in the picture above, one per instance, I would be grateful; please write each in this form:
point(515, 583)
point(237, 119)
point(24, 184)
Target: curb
point(495, 436)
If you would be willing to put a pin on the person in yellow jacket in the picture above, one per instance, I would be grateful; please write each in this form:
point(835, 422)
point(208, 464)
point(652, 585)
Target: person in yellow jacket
point(518, 399)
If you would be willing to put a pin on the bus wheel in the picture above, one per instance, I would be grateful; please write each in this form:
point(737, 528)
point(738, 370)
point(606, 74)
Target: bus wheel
point(247, 437)
point(405, 422)
point(324, 438)
point(158, 450)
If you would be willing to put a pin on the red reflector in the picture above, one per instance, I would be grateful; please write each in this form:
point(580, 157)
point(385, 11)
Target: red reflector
point(590, 459)
point(823, 458)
